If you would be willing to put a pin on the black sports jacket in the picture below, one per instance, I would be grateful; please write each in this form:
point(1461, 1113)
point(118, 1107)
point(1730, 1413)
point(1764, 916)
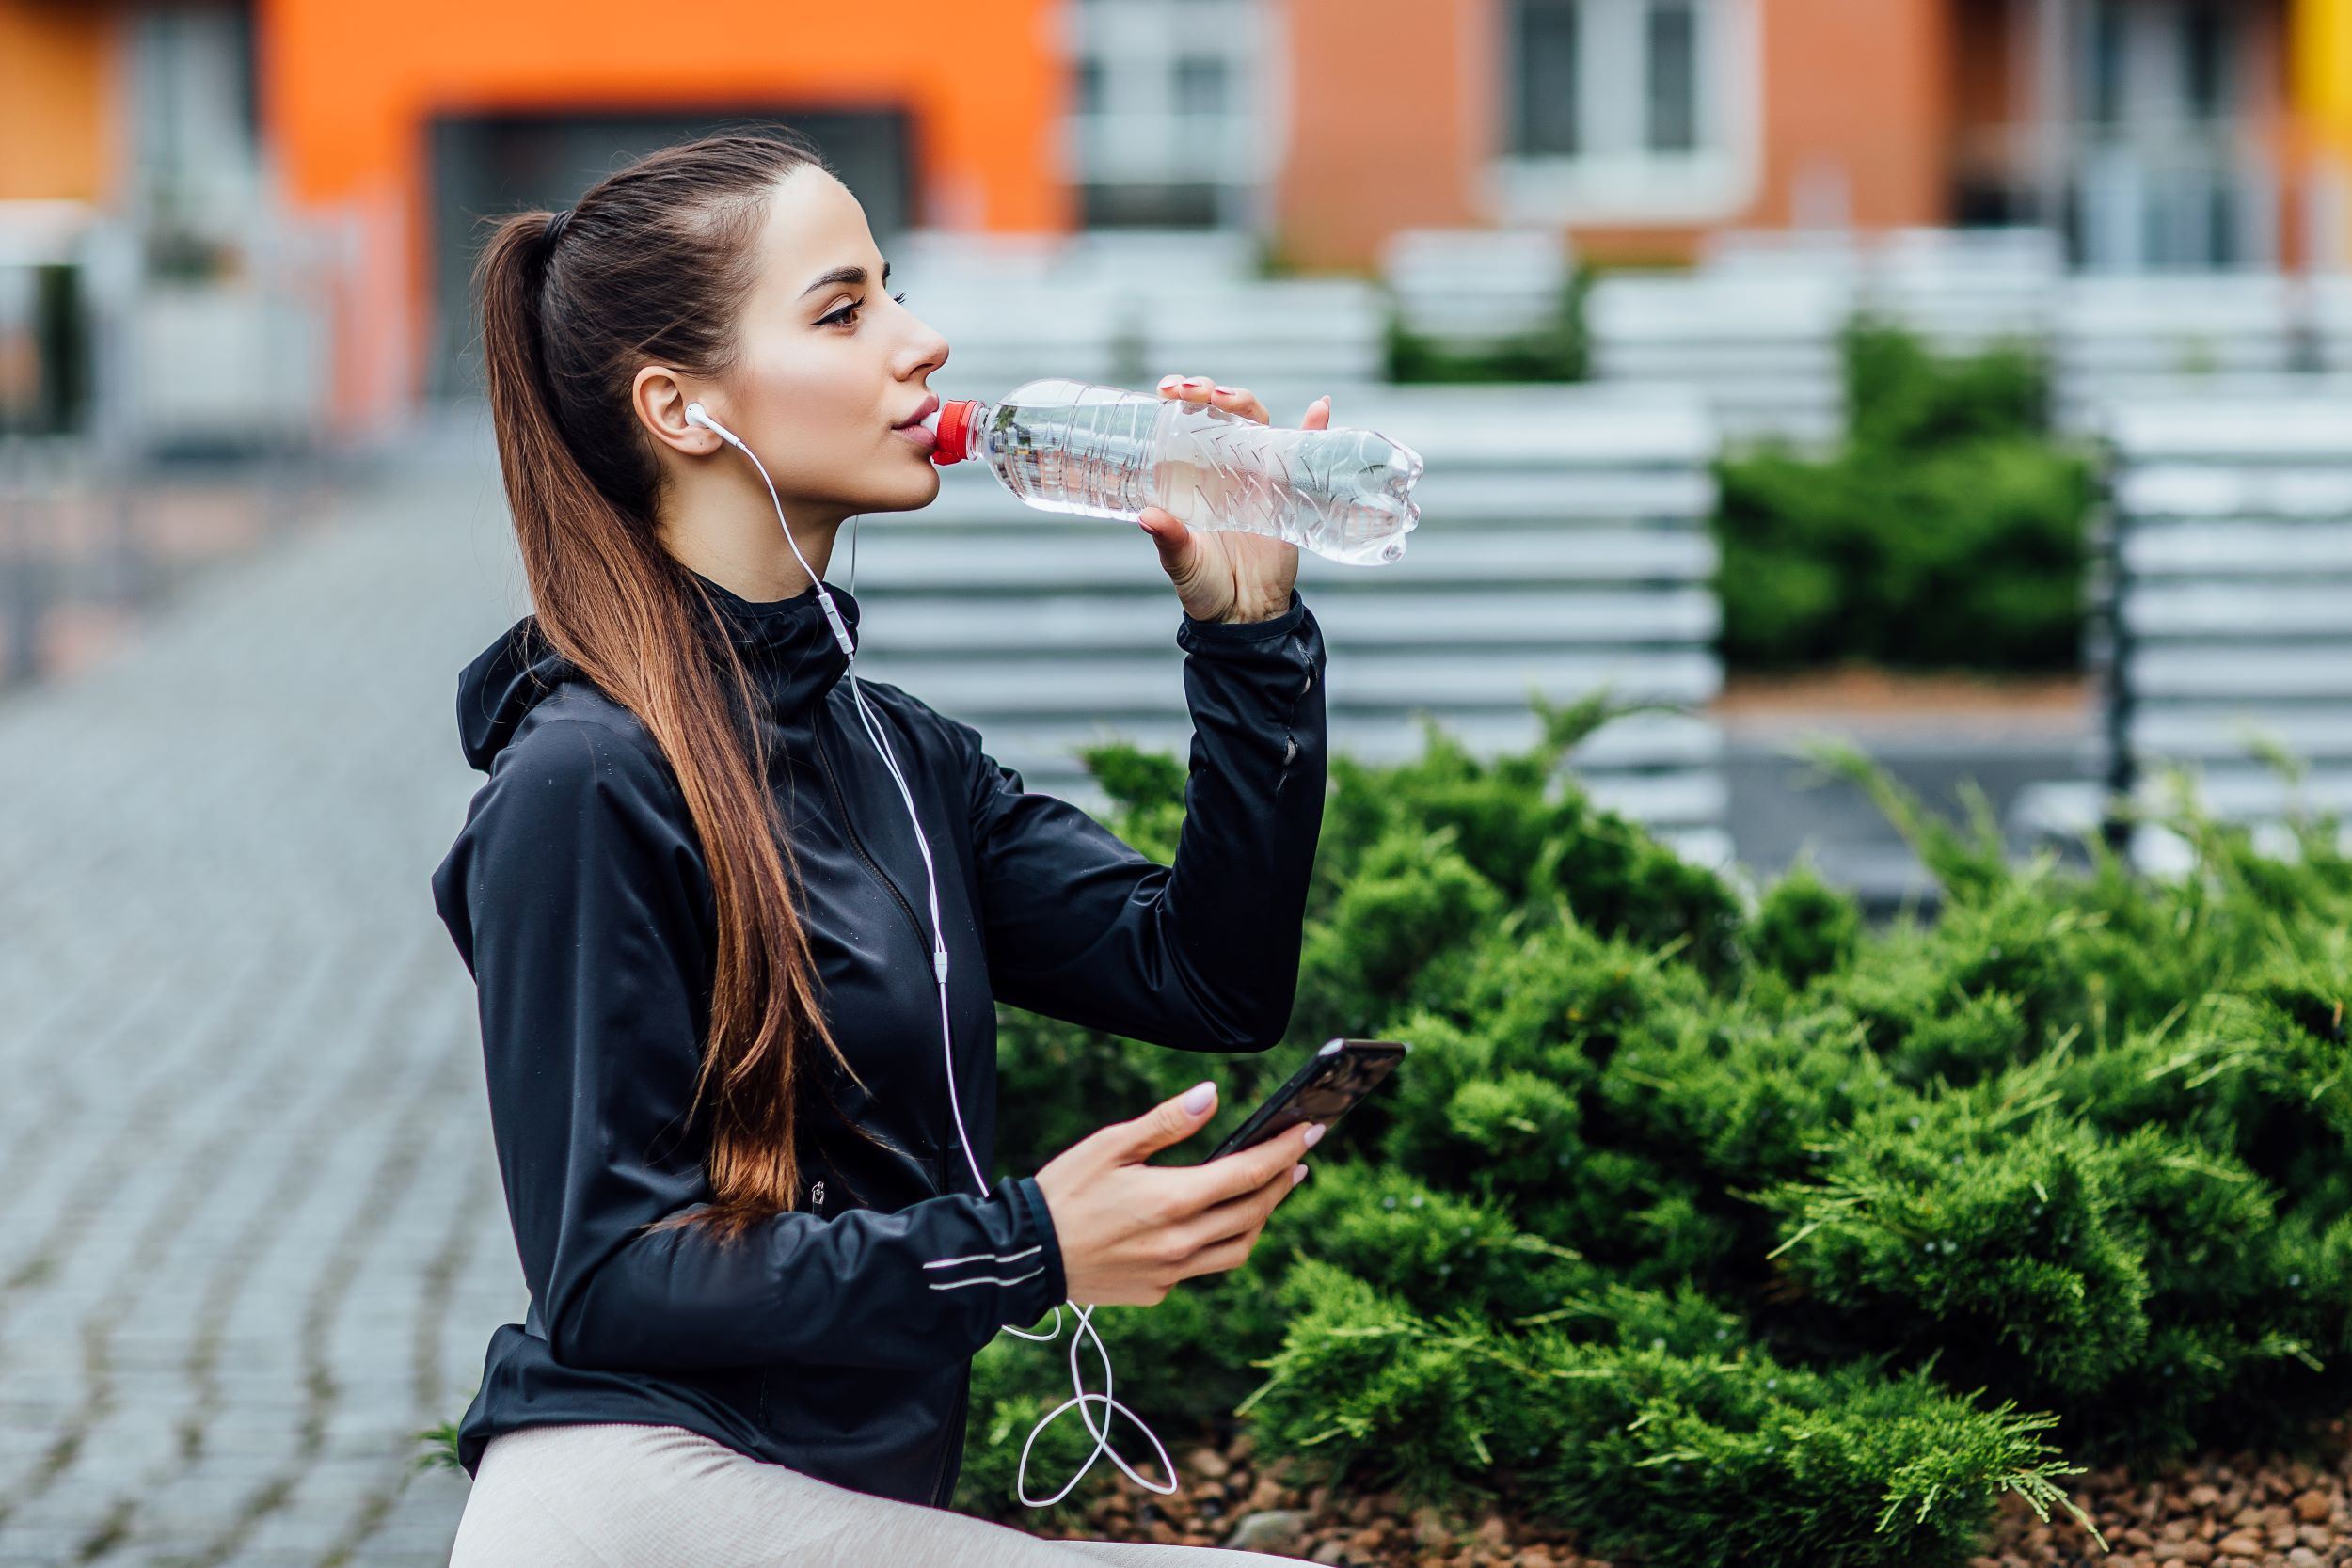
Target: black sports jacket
point(838, 1339)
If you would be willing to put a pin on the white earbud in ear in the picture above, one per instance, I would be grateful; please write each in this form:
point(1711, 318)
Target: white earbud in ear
point(697, 414)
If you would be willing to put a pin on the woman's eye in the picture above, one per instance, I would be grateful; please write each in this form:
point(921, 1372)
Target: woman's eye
point(849, 310)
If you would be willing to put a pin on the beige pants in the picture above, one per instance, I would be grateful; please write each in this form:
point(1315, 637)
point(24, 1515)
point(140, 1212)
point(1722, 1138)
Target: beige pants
point(649, 1496)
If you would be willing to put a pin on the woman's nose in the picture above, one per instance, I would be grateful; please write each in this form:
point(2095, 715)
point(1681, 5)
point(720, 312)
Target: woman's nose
point(932, 351)
point(924, 341)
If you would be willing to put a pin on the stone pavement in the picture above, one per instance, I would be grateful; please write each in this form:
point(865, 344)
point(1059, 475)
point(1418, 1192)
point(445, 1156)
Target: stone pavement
point(251, 1238)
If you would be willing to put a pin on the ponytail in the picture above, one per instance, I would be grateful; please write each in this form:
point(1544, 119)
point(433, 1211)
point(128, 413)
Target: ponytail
point(567, 316)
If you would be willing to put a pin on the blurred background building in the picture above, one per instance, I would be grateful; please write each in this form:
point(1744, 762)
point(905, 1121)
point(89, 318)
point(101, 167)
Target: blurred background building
point(239, 232)
point(2147, 134)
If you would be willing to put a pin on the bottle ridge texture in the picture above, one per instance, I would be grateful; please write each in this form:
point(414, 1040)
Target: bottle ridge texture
point(1104, 451)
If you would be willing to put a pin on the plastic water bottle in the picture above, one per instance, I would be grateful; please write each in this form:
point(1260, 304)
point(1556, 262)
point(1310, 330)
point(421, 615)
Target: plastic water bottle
point(1104, 451)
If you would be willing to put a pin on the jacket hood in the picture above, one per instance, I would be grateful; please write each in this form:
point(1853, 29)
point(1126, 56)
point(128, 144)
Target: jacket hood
point(786, 645)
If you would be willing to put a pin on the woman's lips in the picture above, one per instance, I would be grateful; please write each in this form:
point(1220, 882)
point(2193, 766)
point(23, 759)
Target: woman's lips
point(919, 436)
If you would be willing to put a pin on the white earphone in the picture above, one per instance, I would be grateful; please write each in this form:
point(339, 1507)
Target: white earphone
point(697, 415)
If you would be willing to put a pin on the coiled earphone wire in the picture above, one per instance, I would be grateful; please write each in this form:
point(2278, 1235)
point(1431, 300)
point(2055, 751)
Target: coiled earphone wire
point(1083, 1397)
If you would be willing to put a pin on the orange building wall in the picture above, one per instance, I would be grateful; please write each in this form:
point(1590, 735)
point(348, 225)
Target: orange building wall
point(1387, 123)
point(1866, 84)
point(349, 86)
point(1396, 112)
point(54, 143)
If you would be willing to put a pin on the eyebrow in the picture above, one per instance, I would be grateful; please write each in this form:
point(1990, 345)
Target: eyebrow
point(843, 275)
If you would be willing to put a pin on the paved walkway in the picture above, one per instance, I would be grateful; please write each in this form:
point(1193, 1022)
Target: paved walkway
point(250, 1233)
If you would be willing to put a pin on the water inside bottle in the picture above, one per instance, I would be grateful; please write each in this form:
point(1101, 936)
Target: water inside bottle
point(1068, 446)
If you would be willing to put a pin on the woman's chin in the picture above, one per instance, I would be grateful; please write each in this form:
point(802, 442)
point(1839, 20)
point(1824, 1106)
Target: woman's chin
point(910, 493)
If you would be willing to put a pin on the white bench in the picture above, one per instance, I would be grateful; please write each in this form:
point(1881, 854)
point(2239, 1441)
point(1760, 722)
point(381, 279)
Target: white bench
point(1763, 352)
point(1759, 327)
point(2219, 337)
point(1003, 333)
point(1562, 546)
point(1124, 308)
point(1326, 332)
point(1836, 255)
point(1194, 258)
point(924, 258)
point(1473, 287)
point(2329, 313)
point(1966, 289)
point(1963, 290)
point(2232, 606)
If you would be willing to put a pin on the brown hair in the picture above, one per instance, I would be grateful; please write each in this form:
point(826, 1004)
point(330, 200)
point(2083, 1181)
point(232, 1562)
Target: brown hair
point(653, 266)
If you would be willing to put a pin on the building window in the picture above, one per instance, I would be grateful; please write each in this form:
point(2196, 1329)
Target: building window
point(2161, 171)
point(1673, 77)
point(194, 119)
point(1166, 128)
point(2176, 63)
point(2205, 50)
point(1548, 92)
point(2106, 63)
point(1201, 86)
point(1640, 110)
point(1613, 76)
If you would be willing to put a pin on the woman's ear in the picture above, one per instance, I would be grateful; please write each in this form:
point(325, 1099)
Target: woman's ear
point(659, 397)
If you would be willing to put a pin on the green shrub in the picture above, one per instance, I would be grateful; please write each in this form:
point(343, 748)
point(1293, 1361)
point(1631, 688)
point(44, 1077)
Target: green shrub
point(1904, 397)
point(1947, 532)
point(1804, 928)
point(1663, 1433)
point(1722, 1229)
point(2130, 1282)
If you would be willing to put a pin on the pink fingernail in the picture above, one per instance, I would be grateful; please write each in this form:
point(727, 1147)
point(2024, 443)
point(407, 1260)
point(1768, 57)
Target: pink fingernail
point(1226, 390)
point(1315, 1134)
point(1299, 1174)
point(1192, 381)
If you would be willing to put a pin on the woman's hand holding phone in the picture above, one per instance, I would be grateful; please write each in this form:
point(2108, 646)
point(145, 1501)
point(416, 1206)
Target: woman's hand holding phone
point(1129, 1230)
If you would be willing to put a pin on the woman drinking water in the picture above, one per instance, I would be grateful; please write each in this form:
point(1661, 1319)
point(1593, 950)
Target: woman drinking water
point(739, 925)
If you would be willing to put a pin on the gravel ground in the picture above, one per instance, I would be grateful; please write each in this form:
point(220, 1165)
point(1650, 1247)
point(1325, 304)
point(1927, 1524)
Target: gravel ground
point(2213, 1511)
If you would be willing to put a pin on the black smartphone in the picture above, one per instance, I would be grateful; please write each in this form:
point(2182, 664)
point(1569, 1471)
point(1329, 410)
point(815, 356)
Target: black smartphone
point(1324, 1090)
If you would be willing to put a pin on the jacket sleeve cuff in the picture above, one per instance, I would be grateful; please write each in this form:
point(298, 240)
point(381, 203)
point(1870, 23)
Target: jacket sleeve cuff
point(1032, 1298)
point(1194, 634)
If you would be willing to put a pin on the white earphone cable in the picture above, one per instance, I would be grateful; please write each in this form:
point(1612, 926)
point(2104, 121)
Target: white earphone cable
point(1083, 1397)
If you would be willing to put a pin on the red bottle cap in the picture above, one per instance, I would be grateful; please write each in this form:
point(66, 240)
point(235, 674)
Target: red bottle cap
point(955, 431)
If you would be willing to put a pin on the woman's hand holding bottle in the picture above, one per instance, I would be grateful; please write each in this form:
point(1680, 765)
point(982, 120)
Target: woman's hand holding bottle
point(1229, 574)
point(1129, 1230)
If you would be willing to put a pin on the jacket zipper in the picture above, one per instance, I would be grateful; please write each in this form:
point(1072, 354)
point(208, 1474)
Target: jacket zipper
point(849, 827)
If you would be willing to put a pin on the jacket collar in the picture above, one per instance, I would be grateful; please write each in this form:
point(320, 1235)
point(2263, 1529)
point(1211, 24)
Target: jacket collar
point(788, 649)
point(787, 644)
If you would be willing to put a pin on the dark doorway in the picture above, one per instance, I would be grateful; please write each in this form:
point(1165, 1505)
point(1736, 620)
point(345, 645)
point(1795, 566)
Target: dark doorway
point(485, 166)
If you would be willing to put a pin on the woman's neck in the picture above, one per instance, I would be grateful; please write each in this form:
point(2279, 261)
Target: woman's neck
point(747, 553)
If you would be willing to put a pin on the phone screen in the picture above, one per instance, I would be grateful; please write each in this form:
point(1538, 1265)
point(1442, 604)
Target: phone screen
point(1324, 1090)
